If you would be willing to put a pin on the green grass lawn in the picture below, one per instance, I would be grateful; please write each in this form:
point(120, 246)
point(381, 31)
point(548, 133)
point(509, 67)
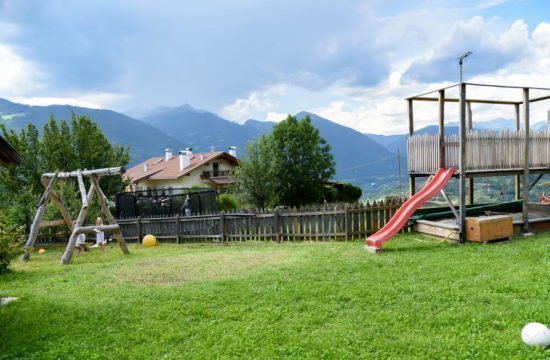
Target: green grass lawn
point(418, 299)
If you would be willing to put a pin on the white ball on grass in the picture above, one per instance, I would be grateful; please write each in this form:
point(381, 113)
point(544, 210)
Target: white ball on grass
point(536, 334)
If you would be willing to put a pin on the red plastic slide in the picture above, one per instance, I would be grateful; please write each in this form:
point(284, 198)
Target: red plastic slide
point(402, 215)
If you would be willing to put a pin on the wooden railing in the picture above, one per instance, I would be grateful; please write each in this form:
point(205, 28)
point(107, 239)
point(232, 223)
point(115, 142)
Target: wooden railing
point(207, 174)
point(485, 150)
point(341, 222)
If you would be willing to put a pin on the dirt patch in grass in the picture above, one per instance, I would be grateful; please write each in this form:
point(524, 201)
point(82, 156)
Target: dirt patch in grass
point(177, 269)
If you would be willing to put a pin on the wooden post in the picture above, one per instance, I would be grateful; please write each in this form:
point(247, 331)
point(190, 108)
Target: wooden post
point(469, 114)
point(471, 198)
point(177, 219)
point(222, 226)
point(518, 177)
point(346, 221)
point(62, 209)
point(412, 184)
point(68, 254)
point(58, 201)
point(276, 220)
point(103, 203)
point(462, 163)
point(469, 128)
point(411, 117)
point(82, 188)
point(138, 229)
point(442, 129)
point(526, 163)
point(36, 222)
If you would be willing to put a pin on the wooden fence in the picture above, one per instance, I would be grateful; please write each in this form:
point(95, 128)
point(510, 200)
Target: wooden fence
point(485, 150)
point(342, 222)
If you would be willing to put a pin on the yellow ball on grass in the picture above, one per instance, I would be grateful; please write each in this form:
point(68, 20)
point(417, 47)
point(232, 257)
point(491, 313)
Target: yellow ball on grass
point(149, 240)
point(41, 251)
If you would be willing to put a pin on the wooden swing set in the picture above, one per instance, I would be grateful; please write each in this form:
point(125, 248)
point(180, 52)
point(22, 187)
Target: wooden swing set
point(49, 180)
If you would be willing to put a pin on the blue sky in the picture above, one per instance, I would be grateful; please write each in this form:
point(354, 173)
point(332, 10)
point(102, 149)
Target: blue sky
point(351, 61)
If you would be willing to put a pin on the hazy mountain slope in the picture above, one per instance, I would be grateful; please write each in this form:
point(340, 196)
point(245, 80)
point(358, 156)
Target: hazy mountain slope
point(201, 130)
point(144, 140)
point(357, 156)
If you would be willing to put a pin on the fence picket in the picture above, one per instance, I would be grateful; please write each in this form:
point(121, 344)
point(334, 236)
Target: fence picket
point(324, 224)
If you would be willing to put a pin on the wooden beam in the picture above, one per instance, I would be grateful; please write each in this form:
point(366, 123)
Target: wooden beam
point(477, 101)
point(92, 229)
point(85, 173)
point(58, 201)
point(517, 177)
point(442, 129)
point(82, 189)
point(68, 254)
point(462, 164)
point(412, 186)
point(110, 218)
point(539, 98)
point(62, 209)
point(37, 218)
point(51, 223)
point(411, 117)
point(471, 193)
point(535, 182)
point(410, 108)
point(526, 161)
point(469, 117)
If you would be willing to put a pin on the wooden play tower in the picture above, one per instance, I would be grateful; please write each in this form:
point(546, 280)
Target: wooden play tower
point(484, 153)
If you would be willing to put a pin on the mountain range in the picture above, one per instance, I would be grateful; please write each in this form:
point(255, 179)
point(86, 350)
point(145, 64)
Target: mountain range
point(359, 157)
point(142, 138)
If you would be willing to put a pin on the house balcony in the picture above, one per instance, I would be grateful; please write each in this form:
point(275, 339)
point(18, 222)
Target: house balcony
point(498, 152)
point(208, 174)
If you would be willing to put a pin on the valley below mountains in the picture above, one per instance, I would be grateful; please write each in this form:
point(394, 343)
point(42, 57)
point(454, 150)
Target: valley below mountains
point(366, 160)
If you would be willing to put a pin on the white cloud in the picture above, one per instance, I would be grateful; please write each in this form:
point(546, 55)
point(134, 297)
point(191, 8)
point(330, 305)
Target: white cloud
point(258, 103)
point(276, 117)
point(94, 101)
point(17, 75)
point(492, 51)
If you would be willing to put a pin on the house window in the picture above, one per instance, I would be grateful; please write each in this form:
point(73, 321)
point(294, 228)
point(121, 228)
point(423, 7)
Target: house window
point(216, 169)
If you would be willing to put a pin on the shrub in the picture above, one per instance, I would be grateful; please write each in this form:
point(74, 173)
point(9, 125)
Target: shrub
point(342, 192)
point(227, 202)
point(10, 238)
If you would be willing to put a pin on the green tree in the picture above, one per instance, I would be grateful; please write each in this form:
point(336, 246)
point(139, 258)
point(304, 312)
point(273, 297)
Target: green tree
point(82, 145)
point(10, 239)
point(254, 176)
point(301, 162)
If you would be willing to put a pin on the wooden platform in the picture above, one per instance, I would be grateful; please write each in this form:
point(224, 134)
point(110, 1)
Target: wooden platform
point(539, 221)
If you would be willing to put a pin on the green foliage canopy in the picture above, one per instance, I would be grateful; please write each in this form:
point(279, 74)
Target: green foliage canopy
point(10, 238)
point(62, 147)
point(227, 202)
point(287, 167)
point(255, 180)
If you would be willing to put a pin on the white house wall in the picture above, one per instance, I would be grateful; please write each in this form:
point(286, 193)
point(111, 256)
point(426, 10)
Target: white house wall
point(186, 181)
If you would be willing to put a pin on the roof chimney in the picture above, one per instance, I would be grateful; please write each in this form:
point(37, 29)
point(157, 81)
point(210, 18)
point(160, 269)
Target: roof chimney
point(233, 151)
point(185, 158)
point(145, 167)
point(168, 154)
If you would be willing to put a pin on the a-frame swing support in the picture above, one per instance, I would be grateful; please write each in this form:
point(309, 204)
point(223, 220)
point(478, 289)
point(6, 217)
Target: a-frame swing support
point(49, 180)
